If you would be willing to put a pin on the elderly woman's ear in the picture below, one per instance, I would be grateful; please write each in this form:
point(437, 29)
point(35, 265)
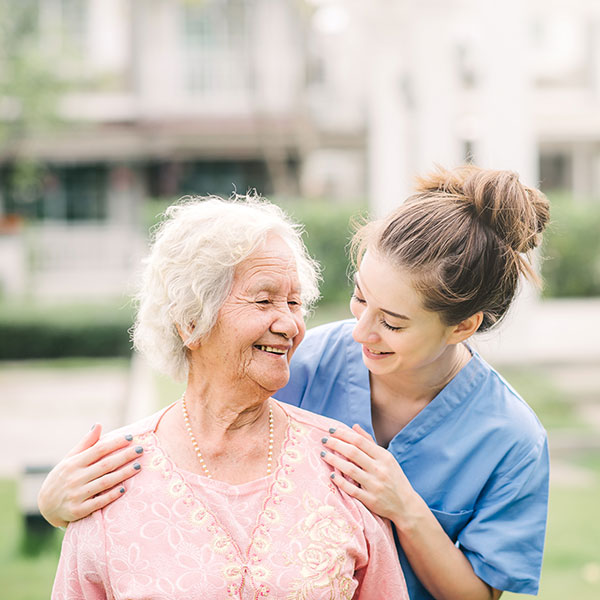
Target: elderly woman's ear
point(184, 335)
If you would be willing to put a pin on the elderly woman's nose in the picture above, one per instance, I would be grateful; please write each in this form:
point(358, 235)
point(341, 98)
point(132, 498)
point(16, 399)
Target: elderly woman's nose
point(285, 323)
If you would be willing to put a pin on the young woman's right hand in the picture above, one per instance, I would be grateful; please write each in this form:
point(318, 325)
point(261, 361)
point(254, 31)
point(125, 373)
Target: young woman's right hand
point(88, 478)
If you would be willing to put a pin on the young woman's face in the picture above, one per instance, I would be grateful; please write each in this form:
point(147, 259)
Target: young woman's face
point(396, 333)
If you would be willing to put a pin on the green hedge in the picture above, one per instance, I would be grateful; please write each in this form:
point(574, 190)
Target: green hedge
point(32, 332)
point(327, 235)
point(571, 266)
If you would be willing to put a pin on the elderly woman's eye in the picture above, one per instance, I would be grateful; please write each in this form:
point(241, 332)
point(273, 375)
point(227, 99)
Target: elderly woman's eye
point(263, 302)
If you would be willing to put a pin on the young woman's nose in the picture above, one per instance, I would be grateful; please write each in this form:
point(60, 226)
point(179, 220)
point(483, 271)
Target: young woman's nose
point(364, 332)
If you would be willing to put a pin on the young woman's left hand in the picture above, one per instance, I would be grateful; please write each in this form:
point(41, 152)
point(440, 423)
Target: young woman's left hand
point(377, 479)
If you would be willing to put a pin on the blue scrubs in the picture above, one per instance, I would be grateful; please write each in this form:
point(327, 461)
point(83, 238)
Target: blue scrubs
point(477, 455)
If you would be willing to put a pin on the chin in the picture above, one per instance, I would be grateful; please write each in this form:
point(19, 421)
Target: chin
point(379, 369)
point(273, 384)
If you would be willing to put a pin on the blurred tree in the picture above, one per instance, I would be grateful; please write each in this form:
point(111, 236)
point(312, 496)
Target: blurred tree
point(571, 266)
point(30, 86)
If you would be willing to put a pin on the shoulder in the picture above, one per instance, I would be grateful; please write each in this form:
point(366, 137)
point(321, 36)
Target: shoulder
point(503, 403)
point(140, 427)
point(507, 426)
point(325, 343)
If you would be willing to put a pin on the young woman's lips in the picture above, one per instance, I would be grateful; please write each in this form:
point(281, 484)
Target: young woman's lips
point(375, 354)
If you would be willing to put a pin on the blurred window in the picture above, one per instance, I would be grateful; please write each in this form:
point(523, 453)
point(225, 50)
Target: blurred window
point(73, 23)
point(63, 32)
point(556, 170)
point(206, 177)
point(216, 35)
point(72, 193)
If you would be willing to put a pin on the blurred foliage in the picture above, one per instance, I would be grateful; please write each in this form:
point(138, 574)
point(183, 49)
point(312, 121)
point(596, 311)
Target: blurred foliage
point(328, 230)
point(47, 331)
point(24, 576)
point(30, 87)
point(571, 250)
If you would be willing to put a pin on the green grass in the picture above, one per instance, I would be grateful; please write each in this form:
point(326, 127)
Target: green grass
point(23, 577)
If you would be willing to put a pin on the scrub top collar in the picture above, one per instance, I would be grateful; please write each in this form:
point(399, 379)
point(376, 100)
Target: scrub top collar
point(458, 390)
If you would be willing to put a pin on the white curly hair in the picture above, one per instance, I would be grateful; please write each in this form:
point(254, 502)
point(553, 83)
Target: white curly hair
point(189, 271)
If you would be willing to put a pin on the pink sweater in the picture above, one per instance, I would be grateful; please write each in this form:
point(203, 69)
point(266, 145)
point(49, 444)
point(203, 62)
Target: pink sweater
point(292, 535)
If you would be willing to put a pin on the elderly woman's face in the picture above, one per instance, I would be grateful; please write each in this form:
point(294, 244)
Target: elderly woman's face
point(260, 324)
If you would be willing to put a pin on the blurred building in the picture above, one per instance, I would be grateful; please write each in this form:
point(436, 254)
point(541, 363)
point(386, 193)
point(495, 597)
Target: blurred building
point(333, 98)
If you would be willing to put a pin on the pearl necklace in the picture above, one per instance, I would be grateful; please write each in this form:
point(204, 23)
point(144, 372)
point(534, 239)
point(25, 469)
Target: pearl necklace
point(186, 419)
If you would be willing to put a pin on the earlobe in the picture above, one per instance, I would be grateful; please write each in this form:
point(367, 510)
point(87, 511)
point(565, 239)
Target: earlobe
point(184, 335)
point(465, 329)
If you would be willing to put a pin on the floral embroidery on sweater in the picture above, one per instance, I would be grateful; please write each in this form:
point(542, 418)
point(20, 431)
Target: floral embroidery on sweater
point(321, 561)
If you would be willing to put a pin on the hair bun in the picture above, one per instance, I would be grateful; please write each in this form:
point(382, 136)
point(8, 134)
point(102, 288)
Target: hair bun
point(515, 212)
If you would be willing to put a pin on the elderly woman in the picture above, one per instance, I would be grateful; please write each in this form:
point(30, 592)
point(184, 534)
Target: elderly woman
point(233, 499)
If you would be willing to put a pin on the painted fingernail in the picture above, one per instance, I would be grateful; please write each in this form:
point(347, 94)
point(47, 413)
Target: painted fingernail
point(122, 490)
point(139, 449)
point(324, 440)
point(323, 453)
point(332, 476)
point(137, 466)
point(128, 437)
point(332, 430)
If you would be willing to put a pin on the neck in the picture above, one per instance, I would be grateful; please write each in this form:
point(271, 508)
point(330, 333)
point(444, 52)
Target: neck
point(216, 411)
point(231, 430)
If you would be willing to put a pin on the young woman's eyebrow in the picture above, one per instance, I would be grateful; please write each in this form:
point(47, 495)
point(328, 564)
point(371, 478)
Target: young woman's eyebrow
point(393, 314)
point(384, 310)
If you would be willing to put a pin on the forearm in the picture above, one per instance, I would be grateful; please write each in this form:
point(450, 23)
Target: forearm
point(440, 566)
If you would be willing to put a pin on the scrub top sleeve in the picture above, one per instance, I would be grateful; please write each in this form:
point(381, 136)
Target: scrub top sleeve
point(504, 541)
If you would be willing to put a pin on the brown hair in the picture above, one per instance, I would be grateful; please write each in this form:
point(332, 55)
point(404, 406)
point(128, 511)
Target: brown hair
point(465, 237)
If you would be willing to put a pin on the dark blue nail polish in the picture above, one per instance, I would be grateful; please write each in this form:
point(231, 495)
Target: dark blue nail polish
point(324, 440)
point(122, 490)
point(137, 466)
point(128, 437)
point(139, 449)
point(332, 430)
point(332, 476)
point(323, 453)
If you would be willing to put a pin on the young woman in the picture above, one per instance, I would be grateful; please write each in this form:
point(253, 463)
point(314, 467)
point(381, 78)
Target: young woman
point(442, 445)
